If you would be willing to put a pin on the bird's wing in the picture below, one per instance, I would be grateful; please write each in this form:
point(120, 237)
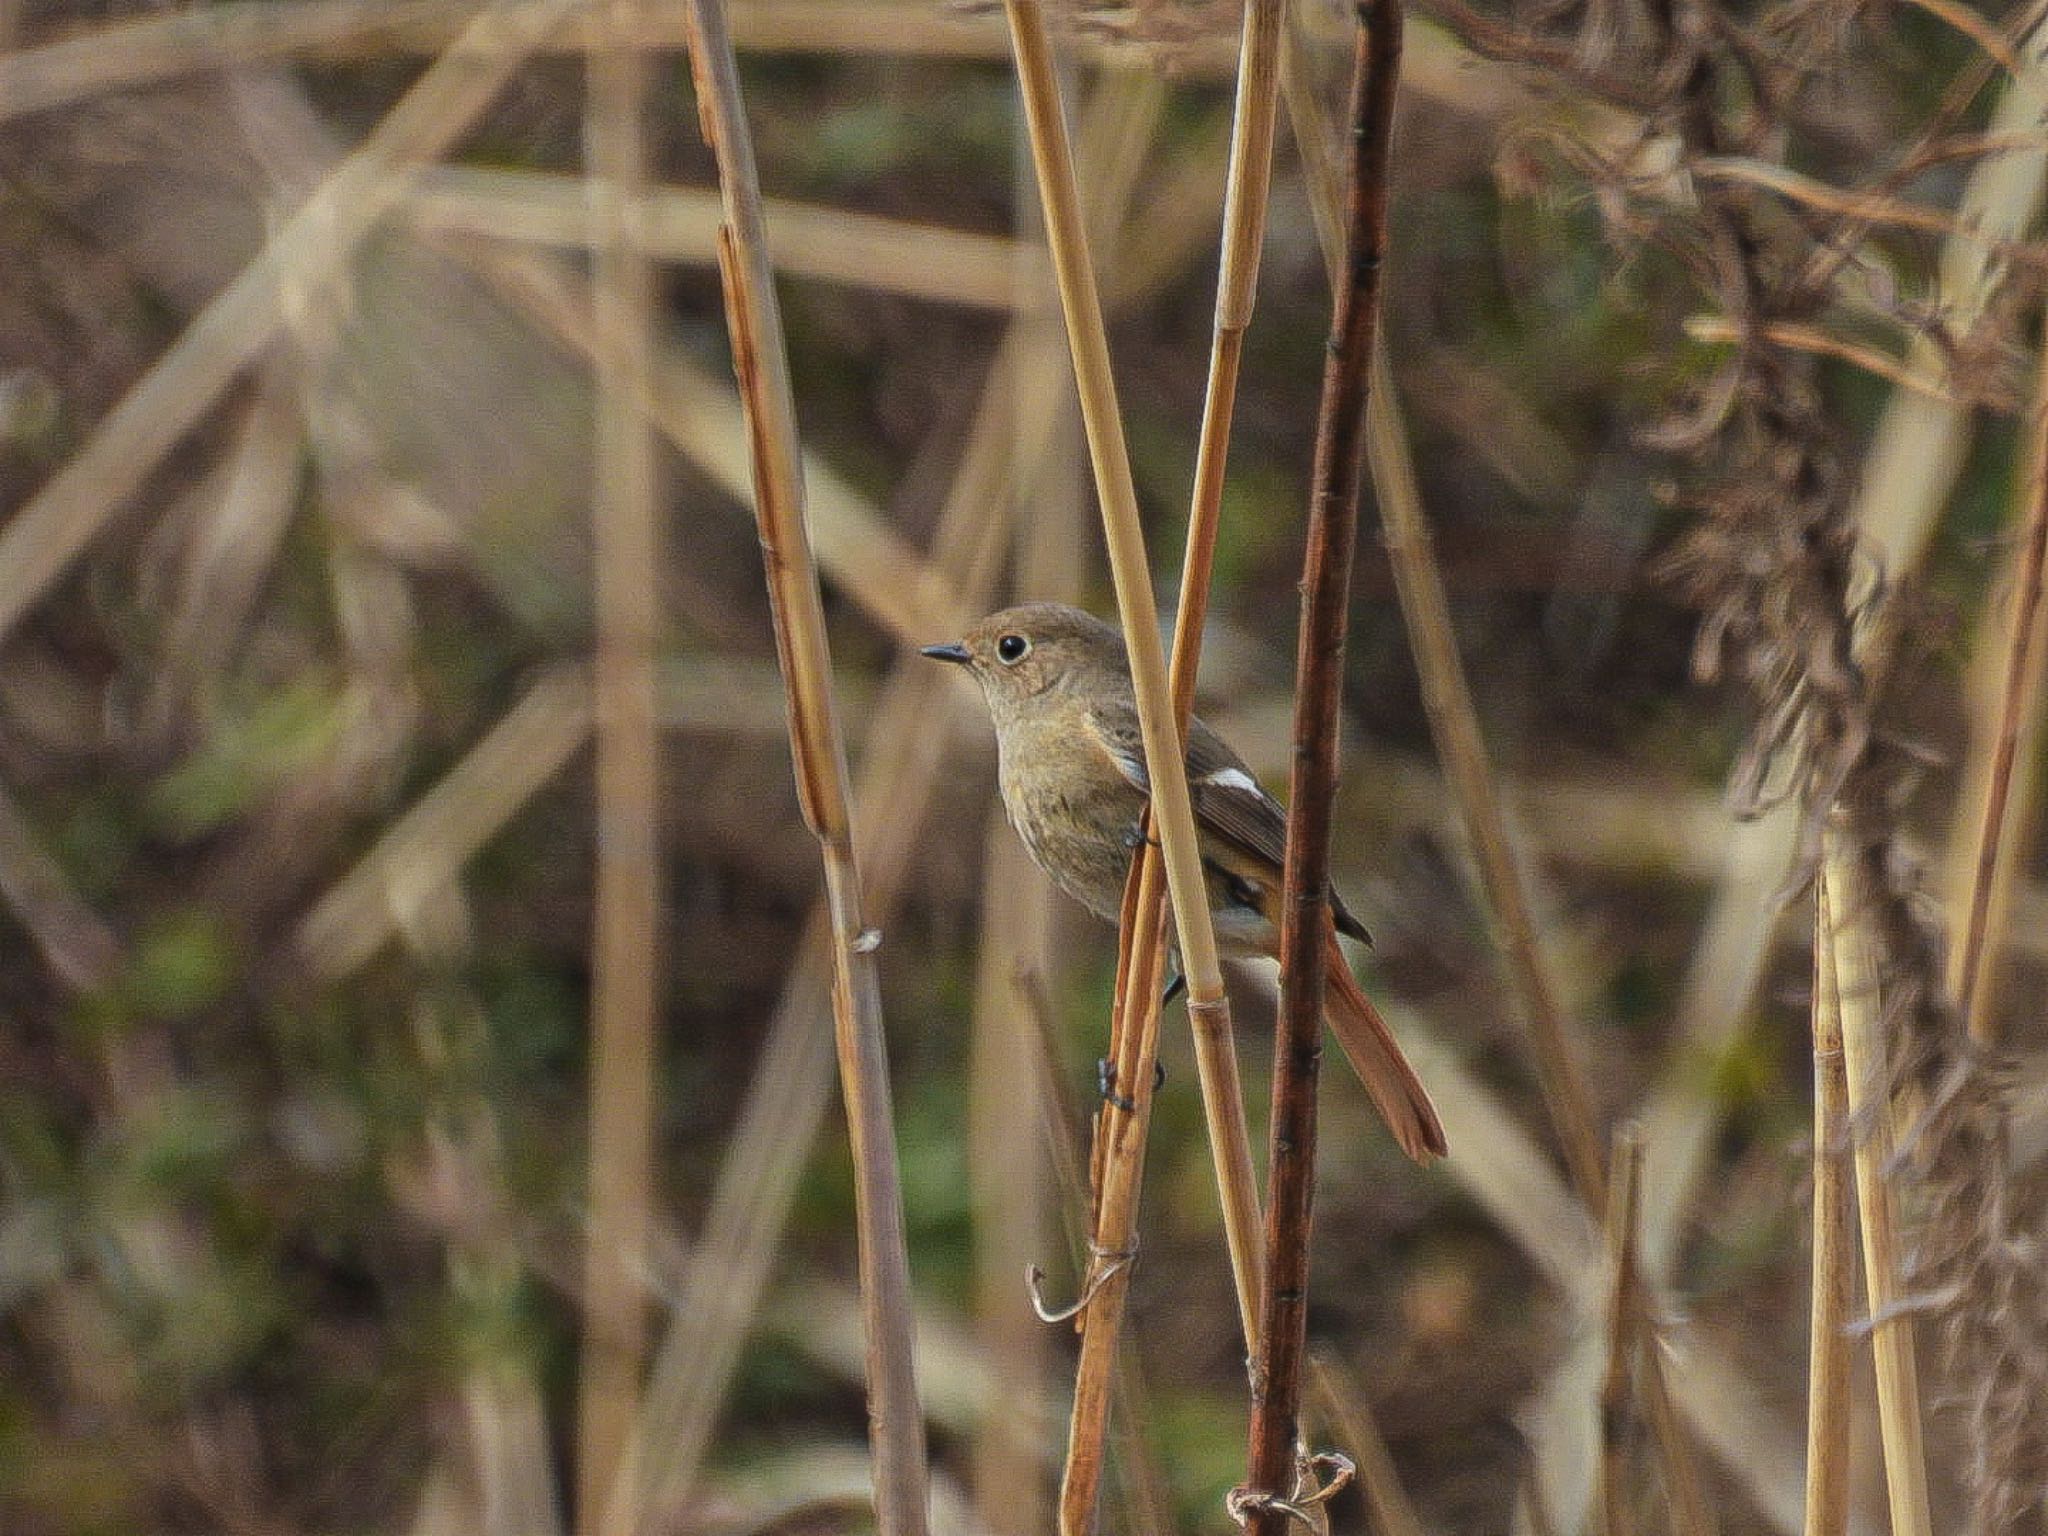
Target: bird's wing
point(1230, 804)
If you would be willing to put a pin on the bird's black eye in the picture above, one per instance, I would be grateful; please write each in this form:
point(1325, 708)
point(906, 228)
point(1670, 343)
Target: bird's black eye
point(1012, 649)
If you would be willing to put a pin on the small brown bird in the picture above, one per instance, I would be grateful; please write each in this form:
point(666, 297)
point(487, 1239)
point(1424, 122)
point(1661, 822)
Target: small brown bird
point(1072, 772)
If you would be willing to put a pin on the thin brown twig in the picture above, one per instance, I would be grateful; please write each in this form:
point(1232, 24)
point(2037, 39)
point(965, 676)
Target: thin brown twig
point(1993, 862)
point(1798, 337)
point(1624, 1330)
point(1454, 724)
point(1447, 698)
point(1319, 672)
point(626, 901)
point(895, 1421)
point(1975, 28)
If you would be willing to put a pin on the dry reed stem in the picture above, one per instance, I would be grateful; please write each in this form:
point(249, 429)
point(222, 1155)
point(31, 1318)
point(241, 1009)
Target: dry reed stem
point(760, 360)
point(249, 504)
point(1864, 206)
point(1143, 1483)
point(779, 1121)
point(1340, 1401)
point(1171, 809)
point(1625, 1323)
point(1990, 859)
point(1975, 28)
point(1244, 227)
point(1827, 1372)
point(680, 224)
point(1855, 984)
point(311, 250)
point(626, 899)
point(1454, 724)
point(1340, 454)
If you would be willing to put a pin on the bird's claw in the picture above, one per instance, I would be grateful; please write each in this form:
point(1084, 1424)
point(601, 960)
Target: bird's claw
point(1105, 1082)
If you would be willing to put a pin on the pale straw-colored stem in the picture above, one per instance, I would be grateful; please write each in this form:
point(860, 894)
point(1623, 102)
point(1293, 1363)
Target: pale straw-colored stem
point(624, 942)
point(1244, 227)
point(1172, 809)
point(1827, 1371)
point(1081, 305)
point(1864, 1059)
point(760, 359)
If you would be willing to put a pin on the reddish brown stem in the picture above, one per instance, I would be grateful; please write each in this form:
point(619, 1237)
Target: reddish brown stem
point(1319, 671)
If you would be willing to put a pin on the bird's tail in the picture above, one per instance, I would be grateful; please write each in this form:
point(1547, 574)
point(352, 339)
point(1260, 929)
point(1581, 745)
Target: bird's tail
point(1377, 1058)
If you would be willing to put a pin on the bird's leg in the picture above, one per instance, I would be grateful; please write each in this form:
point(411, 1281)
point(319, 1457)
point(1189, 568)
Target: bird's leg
point(1135, 838)
point(1174, 988)
point(1105, 1082)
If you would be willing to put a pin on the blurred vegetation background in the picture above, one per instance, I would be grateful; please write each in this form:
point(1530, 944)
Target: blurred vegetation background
point(297, 815)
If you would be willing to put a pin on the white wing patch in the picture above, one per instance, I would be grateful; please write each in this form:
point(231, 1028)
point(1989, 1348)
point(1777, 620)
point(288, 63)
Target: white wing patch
point(1233, 778)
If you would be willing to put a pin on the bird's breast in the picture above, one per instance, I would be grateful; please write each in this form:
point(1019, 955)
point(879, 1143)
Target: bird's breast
point(1072, 809)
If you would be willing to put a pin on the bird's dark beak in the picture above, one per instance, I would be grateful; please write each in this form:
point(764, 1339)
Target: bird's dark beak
point(953, 652)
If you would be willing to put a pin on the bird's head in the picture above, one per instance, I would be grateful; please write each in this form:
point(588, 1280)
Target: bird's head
point(1024, 653)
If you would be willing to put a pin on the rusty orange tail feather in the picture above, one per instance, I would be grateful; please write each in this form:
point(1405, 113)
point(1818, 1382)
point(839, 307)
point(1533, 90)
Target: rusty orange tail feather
point(1377, 1058)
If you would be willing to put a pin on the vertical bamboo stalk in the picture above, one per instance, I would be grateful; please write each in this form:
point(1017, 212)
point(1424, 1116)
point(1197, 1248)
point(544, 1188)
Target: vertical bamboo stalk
point(1624, 1330)
point(760, 359)
point(1244, 227)
point(624, 960)
point(1319, 676)
point(1827, 1372)
point(1135, 1030)
point(1988, 868)
point(1864, 1063)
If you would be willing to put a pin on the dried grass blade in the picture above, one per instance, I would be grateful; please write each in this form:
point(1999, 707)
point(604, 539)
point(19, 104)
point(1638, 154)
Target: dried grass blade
point(624, 943)
point(1988, 863)
point(310, 251)
point(422, 853)
point(1827, 1372)
point(1340, 1400)
point(1624, 1330)
point(895, 1422)
point(680, 224)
